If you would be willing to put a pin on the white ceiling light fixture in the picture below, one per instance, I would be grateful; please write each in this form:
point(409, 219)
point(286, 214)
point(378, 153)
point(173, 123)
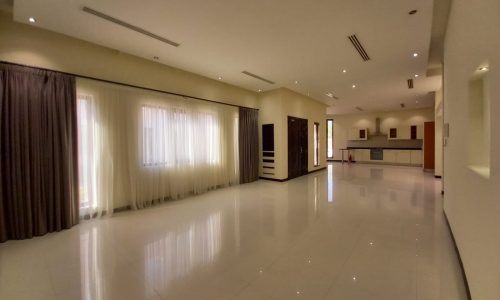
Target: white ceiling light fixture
point(32, 20)
point(296, 82)
point(353, 86)
point(220, 78)
point(329, 94)
point(259, 90)
point(344, 71)
point(483, 69)
point(416, 75)
point(415, 54)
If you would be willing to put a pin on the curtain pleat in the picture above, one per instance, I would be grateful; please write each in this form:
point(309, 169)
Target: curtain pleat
point(248, 138)
point(38, 152)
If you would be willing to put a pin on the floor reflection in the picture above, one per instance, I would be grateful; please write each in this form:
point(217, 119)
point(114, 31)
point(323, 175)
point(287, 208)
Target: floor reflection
point(180, 252)
point(91, 266)
point(330, 183)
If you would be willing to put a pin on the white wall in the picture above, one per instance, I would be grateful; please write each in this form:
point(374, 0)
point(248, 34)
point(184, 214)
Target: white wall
point(438, 143)
point(275, 107)
point(472, 201)
point(342, 123)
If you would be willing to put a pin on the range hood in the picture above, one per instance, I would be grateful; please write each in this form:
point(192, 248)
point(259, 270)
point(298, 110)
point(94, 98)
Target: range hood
point(377, 129)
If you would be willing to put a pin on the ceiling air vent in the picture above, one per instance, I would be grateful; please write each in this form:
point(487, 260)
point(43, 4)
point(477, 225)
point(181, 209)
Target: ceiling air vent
point(402, 105)
point(410, 83)
point(357, 44)
point(257, 77)
point(359, 108)
point(129, 26)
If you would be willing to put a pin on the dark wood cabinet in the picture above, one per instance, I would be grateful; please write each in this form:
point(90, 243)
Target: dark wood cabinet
point(297, 147)
point(413, 134)
point(393, 133)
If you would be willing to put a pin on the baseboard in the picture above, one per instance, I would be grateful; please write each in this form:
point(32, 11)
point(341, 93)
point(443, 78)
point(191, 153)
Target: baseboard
point(123, 208)
point(286, 179)
point(273, 179)
point(464, 276)
point(317, 170)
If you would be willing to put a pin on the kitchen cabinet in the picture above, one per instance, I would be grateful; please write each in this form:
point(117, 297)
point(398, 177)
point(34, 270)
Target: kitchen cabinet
point(361, 155)
point(357, 134)
point(416, 157)
point(390, 156)
point(405, 132)
point(403, 156)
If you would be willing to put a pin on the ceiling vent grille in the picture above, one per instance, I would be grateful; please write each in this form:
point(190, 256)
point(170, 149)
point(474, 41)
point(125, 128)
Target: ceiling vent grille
point(357, 44)
point(258, 77)
point(410, 83)
point(129, 26)
point(359, 108)
point(402, 105)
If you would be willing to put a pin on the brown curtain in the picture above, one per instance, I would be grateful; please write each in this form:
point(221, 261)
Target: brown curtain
point(248, 137)
point(38, 152)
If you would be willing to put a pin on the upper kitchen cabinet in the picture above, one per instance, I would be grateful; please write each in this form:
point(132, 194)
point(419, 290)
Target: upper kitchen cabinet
point(412, 132)
point(358, 134)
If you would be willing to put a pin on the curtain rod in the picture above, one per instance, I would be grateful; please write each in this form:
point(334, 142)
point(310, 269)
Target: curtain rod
point(126, 84)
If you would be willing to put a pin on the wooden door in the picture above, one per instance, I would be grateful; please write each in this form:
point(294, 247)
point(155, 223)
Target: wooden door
point(297, 147)
point(429, 146)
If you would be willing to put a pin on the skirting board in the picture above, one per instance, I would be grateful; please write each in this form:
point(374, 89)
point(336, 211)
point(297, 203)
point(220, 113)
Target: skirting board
point(286, 179)
point(464, 276)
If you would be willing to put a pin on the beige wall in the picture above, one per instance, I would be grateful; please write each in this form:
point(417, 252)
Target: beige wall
point(275, 107)
point(342, 124)
point(29, 45)
point(438, 143)
point(471, 200)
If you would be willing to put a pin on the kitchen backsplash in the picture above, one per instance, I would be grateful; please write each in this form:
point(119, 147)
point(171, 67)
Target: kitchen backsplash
point(381, 141)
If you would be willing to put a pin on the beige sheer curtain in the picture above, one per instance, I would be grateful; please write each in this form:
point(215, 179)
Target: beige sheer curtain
point(155, 147)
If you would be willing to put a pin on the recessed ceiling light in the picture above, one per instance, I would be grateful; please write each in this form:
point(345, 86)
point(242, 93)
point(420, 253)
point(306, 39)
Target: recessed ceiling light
point(416, 75)
point(32, 20)
point(344, 71)
point(296, 82)
point(412, 12)
point(220, 78)
point(259, 90)
point(156, 57)
point(353, 86)
point(415, 54)
point(483, 68)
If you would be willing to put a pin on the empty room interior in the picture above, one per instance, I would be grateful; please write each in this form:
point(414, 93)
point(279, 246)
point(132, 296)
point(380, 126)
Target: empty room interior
point(199, 150)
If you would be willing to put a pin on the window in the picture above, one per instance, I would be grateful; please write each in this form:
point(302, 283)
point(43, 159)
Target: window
point(175, 137)
point(316, 144)
point(87, 145)
point(329, 138)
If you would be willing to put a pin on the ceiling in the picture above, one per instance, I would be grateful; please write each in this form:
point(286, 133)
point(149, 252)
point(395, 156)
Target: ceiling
point(284, 41)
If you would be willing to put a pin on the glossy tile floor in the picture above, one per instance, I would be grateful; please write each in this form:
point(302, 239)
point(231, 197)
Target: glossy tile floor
point(349, 232)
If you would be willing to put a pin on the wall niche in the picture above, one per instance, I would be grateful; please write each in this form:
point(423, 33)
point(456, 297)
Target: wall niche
point(479, 127)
